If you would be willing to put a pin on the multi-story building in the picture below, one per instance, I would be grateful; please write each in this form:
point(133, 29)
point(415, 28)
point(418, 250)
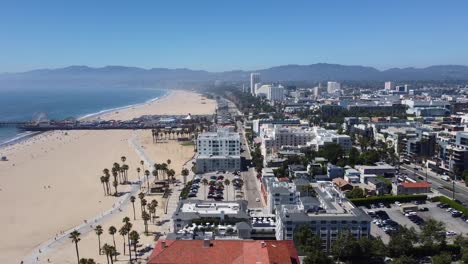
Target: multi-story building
point(218, 151)
point(389, 86)
point(380, 168)
point(334, 214)
point(427, 108)
point(273, 137)
point(256, 124)
point(272, 92)
point(333, 87)
point(324, 137)
point(254, 79)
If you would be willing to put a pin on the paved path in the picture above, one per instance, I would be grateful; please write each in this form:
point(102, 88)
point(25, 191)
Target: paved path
point(123, 201)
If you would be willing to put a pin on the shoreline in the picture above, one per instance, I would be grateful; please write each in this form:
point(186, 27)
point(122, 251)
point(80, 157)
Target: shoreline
point(28, 134)
point(59, 172)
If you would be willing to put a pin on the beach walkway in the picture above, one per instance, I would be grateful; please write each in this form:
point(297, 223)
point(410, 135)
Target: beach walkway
point(89, 224)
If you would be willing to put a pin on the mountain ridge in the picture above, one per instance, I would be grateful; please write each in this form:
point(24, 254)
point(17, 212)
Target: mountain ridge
point(123, 75)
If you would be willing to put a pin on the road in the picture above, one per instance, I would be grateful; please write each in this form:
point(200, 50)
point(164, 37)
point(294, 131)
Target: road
point(252, 190)
point(437, 184)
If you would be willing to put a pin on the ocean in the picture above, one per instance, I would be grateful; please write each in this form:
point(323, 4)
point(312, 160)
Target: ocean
point(24, 104)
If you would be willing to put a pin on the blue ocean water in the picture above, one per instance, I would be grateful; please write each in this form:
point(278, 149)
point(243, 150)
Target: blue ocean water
point(63, 103)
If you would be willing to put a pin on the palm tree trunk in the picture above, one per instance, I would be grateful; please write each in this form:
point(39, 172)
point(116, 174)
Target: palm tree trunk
point(134, 247)
point(113, 240)
point(129, 248)
point(77, 253)
point(134, 215)
point(99, 240)
point(124, 244)
point(107, 256)
point(104, 188)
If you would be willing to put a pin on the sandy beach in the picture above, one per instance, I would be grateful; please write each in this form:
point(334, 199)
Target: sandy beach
point(51, 181)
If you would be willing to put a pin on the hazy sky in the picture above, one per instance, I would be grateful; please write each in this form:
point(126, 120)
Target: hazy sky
point(224, 35)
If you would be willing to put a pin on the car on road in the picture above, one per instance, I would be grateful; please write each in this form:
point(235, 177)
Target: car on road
point(397, 203)
point(443, 205)
point(257, 199)
point(423, 209)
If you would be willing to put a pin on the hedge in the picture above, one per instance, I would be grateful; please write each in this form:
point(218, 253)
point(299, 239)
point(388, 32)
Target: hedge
point(388, 199)
point(451, 203)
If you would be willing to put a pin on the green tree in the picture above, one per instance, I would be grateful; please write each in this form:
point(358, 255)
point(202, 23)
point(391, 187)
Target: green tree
point(332, 152)
point(401, 242)
point(75, 237)
point(432, 233)
point(112, 231)
point(346, 247)
point(353, 157)
point(356, 192)
point(135, 237)
point(443, 258)
point(99, 231)
point(403, 260)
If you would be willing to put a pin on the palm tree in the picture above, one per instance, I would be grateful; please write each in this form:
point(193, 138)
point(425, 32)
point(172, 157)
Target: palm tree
point(98, 231)
point(141, 196)
point(185, 173)
point(123, 159)
point(145, 216)
point(205, 183)
point(115, 184)
point(147, 173)
point(128, 227)
point(154, 204)
point(168, 162)
point(155, 174)
point(75, 237)
point(138, 171)
point(107, 177)
point(112, 231)
point(123, 232)
point(125, 168)
point(143, 204)
point(106, 249)
point(87, 261)
point(132, 200)
point(103, 181)
point(134, 236)
point(142, 162)
point(227, 182)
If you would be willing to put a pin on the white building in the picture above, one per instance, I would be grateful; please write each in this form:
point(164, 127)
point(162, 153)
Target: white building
point(333, 87)
point(334, 214)
point(389, 86)
point(218, 151)
point(273, 92)
point(274, 137)
point(254, 79)
point(323, 137)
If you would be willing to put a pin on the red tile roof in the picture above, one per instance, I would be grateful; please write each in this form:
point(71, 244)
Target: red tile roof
point(224, 251)
point(416, 184)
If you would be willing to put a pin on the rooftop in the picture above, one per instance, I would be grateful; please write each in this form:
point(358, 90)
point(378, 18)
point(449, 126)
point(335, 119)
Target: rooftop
point(224, 251)
point(415, 184)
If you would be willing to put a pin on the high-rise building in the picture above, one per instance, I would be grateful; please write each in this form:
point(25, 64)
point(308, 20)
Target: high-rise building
point(389, 86)
point(254, 79)
point(218, 150)
point(333, 87)
point(273, 92)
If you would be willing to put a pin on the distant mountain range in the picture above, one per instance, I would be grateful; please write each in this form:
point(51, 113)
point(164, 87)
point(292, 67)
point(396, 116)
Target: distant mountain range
point(125, 76)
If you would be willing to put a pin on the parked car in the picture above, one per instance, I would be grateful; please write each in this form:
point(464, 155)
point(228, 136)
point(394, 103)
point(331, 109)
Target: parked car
point(456, 214)
point(442, 205)
point(397, 203)
point(423, 209)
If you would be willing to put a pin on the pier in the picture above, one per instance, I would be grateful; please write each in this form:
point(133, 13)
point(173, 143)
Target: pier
point(144, 122)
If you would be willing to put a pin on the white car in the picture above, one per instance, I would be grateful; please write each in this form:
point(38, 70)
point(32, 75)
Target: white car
point(398, 203)
point(451, 233)
point(257, 200)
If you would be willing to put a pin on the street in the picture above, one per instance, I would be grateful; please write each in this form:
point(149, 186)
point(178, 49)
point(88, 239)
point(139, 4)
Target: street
point(437, 184)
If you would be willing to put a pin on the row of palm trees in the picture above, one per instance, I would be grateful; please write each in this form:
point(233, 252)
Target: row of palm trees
point(110, 251)
point(119, 174)
point(164, 133)
point(227, 182)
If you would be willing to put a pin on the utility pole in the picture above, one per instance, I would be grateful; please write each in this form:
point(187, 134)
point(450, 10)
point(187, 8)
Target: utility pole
point(453, 186)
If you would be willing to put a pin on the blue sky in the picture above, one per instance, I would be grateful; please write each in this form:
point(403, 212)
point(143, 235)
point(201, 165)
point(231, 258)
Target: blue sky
point(225, 35)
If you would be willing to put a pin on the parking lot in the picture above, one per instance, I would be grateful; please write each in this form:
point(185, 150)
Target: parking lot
point(385, 216)
point(216, 188)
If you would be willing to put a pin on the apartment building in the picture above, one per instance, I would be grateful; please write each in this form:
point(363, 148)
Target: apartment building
point(334, 214)
point(218, 150)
